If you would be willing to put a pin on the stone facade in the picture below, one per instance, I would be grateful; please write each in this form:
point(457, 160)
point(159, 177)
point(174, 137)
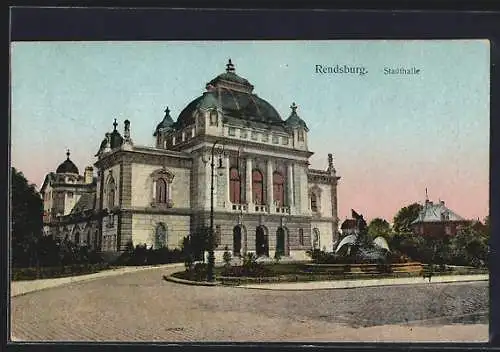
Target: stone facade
point(265, 198)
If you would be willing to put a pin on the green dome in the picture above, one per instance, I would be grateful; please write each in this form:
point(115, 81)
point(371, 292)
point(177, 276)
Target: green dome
point(233, 96)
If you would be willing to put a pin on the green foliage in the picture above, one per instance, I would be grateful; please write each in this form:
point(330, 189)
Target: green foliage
point(322, 257)
point(198, 242)
point(277, 257)
point(379, 227)
point(467, 248)
point(404, 218)
point(56, 271)
point(197, 273)
point(141, 255)
point(26, 220)
point(250, 268)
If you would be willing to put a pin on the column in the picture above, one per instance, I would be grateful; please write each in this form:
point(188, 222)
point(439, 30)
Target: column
point(289, 185)
point(206, 171)
point(154, 190)
point(248, 182)
point(269, 184)
point(228, 175)
point(169, 191)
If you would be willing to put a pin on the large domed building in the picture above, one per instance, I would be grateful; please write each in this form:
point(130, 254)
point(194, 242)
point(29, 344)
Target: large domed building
point(265, 197)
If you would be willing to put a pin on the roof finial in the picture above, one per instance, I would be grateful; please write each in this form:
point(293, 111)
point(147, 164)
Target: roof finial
point(229, 66)
point(67, 153)
point(294, 108)
point(115, 124)
point(167, 111)
point(426, 196)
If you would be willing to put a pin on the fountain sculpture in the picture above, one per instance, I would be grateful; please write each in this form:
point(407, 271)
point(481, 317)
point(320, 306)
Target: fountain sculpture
point(359, 246)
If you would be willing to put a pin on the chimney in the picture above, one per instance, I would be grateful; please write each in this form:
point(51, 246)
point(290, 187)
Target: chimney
point(89, 174)
point(441, 202)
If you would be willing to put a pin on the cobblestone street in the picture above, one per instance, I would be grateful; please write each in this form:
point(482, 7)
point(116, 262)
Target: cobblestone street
point(143, 307)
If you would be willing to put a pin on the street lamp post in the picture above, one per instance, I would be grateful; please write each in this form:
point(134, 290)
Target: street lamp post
point(211, 244)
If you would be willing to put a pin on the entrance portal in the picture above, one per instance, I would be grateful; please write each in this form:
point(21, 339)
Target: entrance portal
point(261, 242)
point(237, 241)
point(280, 241)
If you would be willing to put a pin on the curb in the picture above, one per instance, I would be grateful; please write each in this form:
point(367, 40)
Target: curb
point(82, 278)
point(351, 284)
point(189, 282)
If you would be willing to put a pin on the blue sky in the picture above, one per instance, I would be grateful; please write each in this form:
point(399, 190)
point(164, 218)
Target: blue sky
point(391, 136)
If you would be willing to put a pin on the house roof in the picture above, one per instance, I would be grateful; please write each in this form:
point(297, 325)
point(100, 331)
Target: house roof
point(86, 202)
point(436, 212)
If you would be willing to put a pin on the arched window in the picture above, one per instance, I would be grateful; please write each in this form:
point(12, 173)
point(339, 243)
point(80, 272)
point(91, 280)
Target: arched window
point(258, 187)
point(301, 237)
point(160, 236)
point(234, 186)
point(278, 188)
point(161, 191)
point(111, 192)
point(314, 202)
point(161, 182)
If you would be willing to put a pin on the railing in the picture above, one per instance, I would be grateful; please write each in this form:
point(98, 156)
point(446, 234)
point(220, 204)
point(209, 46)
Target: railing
point(239, 207)
point(282, 210)
point(260, 208)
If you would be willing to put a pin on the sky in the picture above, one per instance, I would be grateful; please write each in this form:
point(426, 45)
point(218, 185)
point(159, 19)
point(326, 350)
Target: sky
point(392, 136)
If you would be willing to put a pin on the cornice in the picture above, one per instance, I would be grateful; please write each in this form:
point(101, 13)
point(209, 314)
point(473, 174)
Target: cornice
point(197, 140)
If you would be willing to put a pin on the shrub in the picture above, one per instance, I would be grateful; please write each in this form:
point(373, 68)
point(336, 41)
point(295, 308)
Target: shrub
point(227, 257)
point(57, 271)
point(198, 272)
point(250, 268)
point(141, 255)
point(277, 257)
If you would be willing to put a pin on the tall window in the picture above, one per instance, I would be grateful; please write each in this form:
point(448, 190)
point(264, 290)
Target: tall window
point(111, 192)
point(278, 188)
point(301, 135)
point(234, 186)
point(213, 118)
point(161, 191)
point(258, 187)
point(314, 202)
point(162, 187)
point(301, 237)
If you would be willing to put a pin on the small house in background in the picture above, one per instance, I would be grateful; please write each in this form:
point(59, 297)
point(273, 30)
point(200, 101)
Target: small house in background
point(435, 219)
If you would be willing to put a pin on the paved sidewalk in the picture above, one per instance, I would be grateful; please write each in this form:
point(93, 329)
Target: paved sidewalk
point(18, 288)
point(322, 285)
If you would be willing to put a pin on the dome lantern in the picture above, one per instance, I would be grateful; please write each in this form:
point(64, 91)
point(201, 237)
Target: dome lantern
point(294, 120)
point(166, 124)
